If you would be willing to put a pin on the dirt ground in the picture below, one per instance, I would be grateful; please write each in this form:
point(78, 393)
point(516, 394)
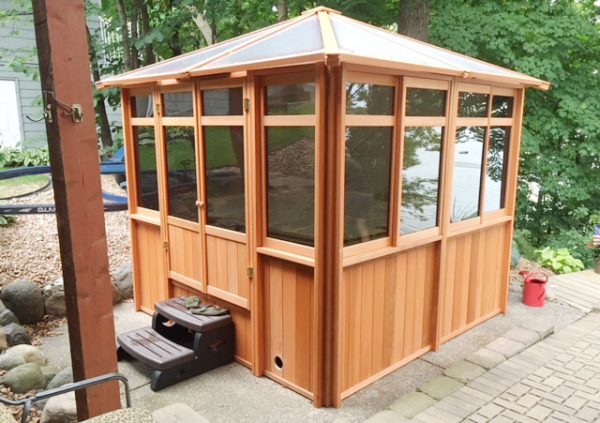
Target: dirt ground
point(29, 247)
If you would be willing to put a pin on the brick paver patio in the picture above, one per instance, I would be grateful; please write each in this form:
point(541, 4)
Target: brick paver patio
point(555, 380)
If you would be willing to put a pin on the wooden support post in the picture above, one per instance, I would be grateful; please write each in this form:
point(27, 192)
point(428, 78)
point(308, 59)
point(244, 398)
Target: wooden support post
point(62, 46)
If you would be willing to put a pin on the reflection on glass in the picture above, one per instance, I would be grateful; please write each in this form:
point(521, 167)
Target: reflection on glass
point(224, 155)
point(369, 99)
point(473, 104)
point(141, 106)
point(146, 167)
point(502, 107)
point(291, 99)
point(181, 169)
point(425, 102)
point(223, 102)
point(497, 162)
point(420, 178)
point(291, 184)
point(466, 184)
point(368, 155)
point(178, 104)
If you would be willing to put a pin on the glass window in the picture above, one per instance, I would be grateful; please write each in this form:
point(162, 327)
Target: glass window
point(420, 178)
point(369, 99)
point(225, 198)
point(147, 181)
point(178, 104)
point(368, 155)
point(141, 106)
point(181, 171)
point(468, 159)
point(291, 99)
point(291, 184)
point(497, 162)
point(473, 104)
point(425, 102)
point(223, 102)
point(502, 107)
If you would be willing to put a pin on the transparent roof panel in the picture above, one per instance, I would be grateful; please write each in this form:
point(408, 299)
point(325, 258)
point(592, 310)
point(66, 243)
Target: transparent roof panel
point(304, 37)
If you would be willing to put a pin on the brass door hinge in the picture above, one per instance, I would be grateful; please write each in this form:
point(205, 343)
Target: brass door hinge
point(250, 272)
point(158, 109)
point(166, 245)
point(246, 104)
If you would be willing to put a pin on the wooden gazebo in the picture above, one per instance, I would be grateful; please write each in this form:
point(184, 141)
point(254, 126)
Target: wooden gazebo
point(347, 192)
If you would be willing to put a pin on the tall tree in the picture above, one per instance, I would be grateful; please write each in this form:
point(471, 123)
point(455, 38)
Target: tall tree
point(99, 99)
point(282, 10)
point(124, 28)
point(413, 18)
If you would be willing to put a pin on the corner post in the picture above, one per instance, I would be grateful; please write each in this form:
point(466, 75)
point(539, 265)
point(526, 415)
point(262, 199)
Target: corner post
point(62, 46)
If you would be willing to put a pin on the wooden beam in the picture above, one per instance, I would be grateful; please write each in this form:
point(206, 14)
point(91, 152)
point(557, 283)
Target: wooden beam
point(61, 37)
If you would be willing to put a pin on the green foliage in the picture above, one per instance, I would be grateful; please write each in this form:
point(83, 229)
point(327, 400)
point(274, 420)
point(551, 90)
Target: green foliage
point(6, 220)
point(13, 157)
point(559, 261)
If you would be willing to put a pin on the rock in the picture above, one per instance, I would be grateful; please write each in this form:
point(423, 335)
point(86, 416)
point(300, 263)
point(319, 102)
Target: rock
point(411, 404)
point(3, 340)
point(16, 334)
point(60, 409)
point(506, 347)
point(441, 386)
point(2, 307)
point(464, 371)
point(485, 358)
point(116, 296)
point(25, 299)
point(62, 378)
point(7, 317)
point(123, 281)
point(524, 336)
point(49, 373)
point(24, 378)
point(54, 298)
point(22, 354)
point(542, 327)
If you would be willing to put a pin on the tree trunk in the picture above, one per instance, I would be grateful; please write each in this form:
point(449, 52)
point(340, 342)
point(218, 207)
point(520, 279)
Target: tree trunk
point(205, 28)
point(127, 62)
point(413, 19)
point(135, 57)
point(282, 10)
point(101, 115)
point(145, 21)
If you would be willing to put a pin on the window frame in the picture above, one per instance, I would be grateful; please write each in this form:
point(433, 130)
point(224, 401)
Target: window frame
point(362, 120)
point(488, 122)
point(226, 120)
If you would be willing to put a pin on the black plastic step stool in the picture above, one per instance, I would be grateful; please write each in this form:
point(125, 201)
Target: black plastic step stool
point(179, 344)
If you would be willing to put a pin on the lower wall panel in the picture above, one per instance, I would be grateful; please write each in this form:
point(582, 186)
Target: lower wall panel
point(386, 313)
point(476, 276)
point(149, 269)
point(241, 318)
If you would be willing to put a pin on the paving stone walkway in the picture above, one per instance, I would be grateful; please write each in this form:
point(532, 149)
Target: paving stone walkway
point(579, 289)
point(554, 380)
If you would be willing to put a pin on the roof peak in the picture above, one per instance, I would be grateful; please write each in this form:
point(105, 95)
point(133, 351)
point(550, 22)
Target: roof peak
point(317, 9)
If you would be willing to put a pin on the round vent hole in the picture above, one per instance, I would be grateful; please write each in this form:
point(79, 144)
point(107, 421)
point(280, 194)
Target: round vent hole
point(278, 362)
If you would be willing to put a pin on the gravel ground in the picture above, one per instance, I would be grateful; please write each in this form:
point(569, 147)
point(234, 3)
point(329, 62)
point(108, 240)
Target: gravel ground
point(29, 247)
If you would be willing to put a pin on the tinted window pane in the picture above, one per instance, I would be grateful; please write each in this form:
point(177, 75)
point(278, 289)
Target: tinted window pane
point(425, 102)
point(223, 102)
point(291, 183)
point(369, 99)
point(473, 105)
point(178, 104)
point(146, 167)
point(420, 178)
point(502, 107)
point(181, 168)
point(368, 155)
point(291, 99)
point(497, 162)
point(141, 106)
point(467, 172)
point(224, 152)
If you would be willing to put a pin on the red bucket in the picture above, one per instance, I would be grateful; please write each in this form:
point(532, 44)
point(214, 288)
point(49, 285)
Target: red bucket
point(534, 288)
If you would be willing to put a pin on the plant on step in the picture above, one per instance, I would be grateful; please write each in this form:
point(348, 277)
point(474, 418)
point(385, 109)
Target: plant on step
point(559, 260)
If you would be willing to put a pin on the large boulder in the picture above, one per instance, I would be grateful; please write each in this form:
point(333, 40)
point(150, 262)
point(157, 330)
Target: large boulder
point(22, 354)
point(60, 409)
point(62, 378)
point(25, 299)
point(54, 298)
point(123, 281)
point(49, 373)
point(24, 378)
point(15, 334)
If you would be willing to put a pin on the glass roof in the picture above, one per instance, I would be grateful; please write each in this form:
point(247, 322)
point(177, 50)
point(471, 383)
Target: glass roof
point(303, 39)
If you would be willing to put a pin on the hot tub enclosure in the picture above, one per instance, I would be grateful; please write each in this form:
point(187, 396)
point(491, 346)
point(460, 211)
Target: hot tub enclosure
point(347, 192)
